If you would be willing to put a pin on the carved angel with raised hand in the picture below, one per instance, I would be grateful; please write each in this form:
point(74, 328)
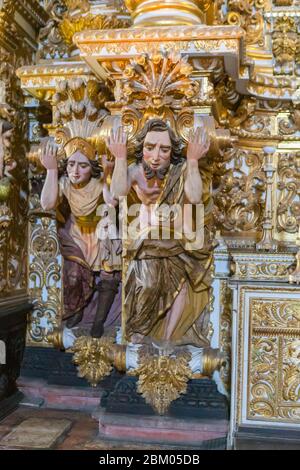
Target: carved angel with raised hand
point(161, 177)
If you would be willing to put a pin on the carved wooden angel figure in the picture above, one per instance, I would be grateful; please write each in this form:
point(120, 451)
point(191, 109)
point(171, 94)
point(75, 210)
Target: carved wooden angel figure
point(167, 280)
point(90, 264)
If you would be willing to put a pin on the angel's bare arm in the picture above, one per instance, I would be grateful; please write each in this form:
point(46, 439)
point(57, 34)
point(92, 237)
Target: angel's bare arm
point(197, 148)
point(49, 196)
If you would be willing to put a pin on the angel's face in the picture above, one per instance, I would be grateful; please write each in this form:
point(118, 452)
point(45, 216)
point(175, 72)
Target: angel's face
point(79, 168)
point(157, 150)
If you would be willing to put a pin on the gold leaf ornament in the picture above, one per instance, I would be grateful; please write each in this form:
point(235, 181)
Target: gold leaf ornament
point(93, 356)
point(162, 379)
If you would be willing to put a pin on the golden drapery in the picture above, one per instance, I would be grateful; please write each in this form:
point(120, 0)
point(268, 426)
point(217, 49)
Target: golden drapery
point(158, 269)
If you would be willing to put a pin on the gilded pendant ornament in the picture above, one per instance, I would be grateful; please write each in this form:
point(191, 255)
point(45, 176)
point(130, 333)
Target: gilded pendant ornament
point(162, 379)
point(93, 358)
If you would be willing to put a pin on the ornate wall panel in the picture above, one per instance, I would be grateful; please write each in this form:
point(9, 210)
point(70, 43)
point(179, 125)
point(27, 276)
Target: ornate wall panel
point(266, 355)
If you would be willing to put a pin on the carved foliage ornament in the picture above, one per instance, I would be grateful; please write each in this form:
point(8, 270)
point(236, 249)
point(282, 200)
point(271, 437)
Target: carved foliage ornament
point(13, 178)
point(163, 378)
point(69, 26)
point(44, 276)
point(239, 184)
point(93, 358)
point(285, 40)
point(288, 208)
point(78, 6)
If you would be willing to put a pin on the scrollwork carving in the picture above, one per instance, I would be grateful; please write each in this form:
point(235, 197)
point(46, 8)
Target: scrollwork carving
point(288, 208)
point(45, 268)
point(226, 331)
point(274, 363)
point(249, 15)
point(240, 182)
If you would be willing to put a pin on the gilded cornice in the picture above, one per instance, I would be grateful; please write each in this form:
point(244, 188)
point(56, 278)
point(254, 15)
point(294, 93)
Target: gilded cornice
point(41, 80)
point(174, 33)
point(196, 40)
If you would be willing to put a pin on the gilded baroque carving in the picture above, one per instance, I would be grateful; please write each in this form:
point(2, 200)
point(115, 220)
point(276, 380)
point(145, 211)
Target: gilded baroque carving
point(51, 41)
point(239, 185)
point(77, 6)
point(162, 379)
point(226, 332)
point(263, 371)
point(153, 85)
point(275, 314)
point(283, 3)
point(285, 44)
point(291, 370)
point(274, 360)
point(69, 25)
point(264, 270)
point(145, 13)
point(66, 19)
point(249, 15)
point(45, 271)
point(288, 207)
point(13, 184)
point(93, 358)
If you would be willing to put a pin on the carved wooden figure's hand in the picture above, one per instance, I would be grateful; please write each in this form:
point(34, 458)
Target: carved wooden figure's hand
point(198, 144)
point(49, 156)
point(117, 143)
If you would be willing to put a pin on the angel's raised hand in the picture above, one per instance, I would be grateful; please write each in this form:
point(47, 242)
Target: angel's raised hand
point(117, 143)
point(49, 155)
point(198, 144)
